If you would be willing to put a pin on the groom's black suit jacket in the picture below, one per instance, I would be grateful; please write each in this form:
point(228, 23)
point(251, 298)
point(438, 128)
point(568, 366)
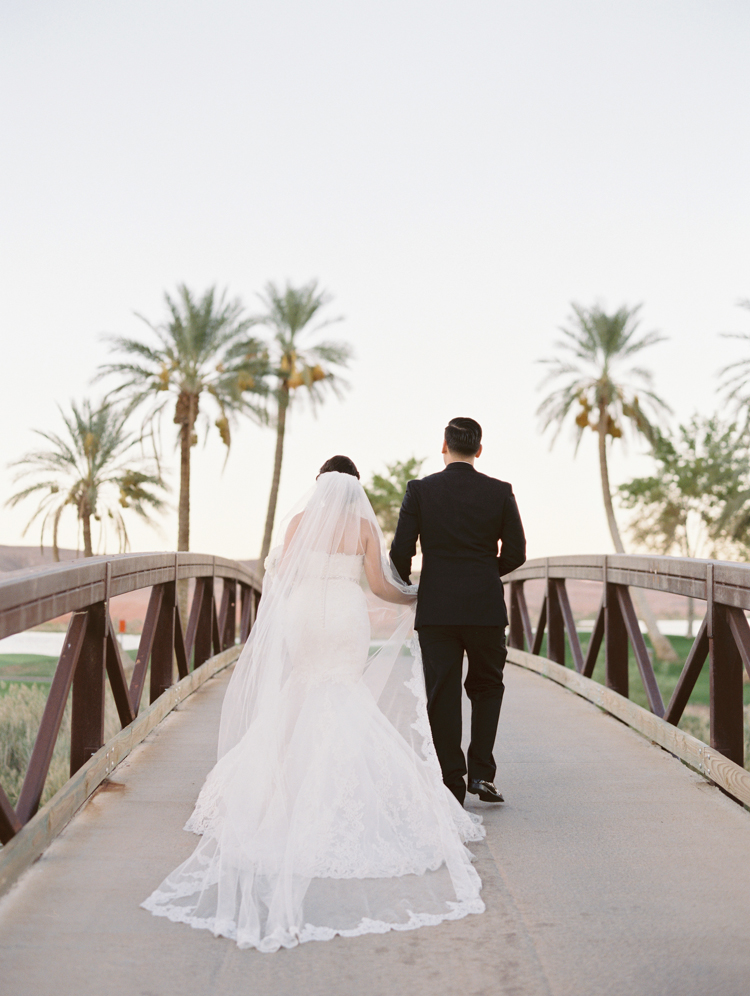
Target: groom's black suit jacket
point(460, 516)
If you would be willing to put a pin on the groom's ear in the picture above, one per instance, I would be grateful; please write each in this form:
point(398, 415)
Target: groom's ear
point(445, 447)
point(478, 452)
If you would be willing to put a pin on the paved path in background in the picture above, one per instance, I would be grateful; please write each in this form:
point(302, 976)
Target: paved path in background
point(612, 869)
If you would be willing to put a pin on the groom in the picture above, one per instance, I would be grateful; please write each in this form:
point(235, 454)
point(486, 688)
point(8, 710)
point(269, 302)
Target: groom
point(460, 516)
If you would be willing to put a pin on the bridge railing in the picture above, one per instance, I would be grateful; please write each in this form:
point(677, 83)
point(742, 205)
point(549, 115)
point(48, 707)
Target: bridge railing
point(723, 637)
point(91, 654)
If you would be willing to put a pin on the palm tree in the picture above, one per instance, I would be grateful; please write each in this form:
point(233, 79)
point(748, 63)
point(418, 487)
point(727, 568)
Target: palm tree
point(201, 352)
point(288, 315)
point(91, 469)
point(607, 393)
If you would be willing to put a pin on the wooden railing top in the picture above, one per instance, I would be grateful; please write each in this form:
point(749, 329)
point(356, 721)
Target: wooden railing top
point(33, 596)
point(677, 575)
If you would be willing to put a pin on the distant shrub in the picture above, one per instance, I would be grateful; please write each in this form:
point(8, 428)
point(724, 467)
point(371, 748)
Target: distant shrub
point(21, 708)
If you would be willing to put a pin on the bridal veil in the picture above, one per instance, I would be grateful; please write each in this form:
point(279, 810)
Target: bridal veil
point(326, 812)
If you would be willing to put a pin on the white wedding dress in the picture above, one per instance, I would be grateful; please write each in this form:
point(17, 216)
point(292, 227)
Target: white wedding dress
point(326, 812)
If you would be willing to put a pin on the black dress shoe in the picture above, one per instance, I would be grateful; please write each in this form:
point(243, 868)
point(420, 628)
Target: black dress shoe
point(485, 790)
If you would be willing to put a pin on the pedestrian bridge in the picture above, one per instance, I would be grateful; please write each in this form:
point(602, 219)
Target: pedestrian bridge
point(618, 865)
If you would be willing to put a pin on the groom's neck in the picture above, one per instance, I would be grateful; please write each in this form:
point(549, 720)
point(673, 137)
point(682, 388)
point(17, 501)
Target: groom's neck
point(449, 457)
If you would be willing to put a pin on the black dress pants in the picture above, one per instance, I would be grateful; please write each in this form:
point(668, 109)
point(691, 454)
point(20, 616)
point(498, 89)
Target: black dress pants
point(443, 650)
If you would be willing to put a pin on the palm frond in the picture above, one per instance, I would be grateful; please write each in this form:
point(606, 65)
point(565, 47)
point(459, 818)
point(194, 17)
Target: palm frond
point(134, 347)
point(649, 339)
point(339, 353)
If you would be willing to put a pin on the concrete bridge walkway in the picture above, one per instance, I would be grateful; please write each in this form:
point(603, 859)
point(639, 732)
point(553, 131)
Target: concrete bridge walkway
point(611, 869)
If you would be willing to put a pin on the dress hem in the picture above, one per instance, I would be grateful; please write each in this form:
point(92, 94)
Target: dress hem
point(292, 939)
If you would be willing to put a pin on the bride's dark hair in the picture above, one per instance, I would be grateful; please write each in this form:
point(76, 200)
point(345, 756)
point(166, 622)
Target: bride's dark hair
point(342, 464)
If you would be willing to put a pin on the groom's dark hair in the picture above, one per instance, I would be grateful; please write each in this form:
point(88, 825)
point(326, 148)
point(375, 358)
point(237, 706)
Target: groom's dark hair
point(463, 436)
point(341, 464)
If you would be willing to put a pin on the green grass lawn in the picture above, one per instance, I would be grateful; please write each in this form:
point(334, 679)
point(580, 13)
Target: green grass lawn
point(28, 667)
point(17, 667)
point(667, 675)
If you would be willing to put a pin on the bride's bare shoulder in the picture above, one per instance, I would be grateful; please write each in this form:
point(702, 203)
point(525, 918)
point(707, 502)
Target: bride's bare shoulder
point(367, 530)
point(291, 529)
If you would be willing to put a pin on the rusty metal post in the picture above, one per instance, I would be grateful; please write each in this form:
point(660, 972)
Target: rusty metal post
point(117, 680)
point(570, 624)
point(205, 615)
point(87, 719)
point(645, 667)
point(725, 679)
point(162, 654)
point(145, 646)
point(597, 635)
point(183, 663)
point(555, 625)
point(192, 623)
point(180, 653)
point(515, 634)
point(52, 717)
point(615, 642)
point(246, 603)
point(228, 619)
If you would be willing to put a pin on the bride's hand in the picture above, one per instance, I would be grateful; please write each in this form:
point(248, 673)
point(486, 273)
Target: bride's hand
point(410, 593)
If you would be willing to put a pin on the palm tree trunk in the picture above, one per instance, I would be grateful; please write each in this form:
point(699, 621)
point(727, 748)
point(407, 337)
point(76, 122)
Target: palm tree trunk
point(662, 647)
point(55, 526)
point(183, 513)
point(88, 550)
point(280, 428)
point(606, 492)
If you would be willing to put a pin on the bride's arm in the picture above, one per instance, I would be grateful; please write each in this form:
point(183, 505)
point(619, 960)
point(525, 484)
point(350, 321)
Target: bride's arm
point(379, 583)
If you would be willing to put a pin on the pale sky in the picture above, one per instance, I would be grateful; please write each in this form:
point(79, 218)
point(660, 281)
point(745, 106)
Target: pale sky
point(454, 173)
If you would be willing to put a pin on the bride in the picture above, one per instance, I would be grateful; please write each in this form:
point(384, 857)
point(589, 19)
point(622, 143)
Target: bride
point(326, 812)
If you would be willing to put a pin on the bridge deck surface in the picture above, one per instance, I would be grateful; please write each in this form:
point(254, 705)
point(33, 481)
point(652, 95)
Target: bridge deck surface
point(612, 869)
